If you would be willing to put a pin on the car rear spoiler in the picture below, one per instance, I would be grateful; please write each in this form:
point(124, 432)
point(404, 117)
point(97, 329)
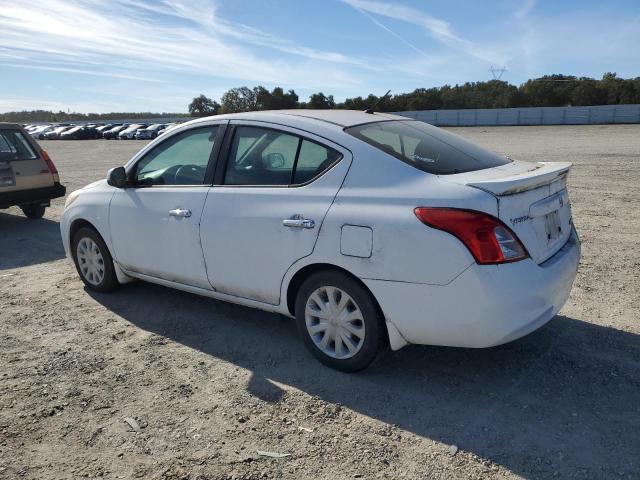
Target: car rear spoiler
point(544, 174)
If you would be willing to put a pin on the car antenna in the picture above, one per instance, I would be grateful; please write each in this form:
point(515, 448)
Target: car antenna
point(372, 108)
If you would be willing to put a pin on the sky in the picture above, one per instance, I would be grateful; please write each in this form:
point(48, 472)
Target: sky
point(156, 55)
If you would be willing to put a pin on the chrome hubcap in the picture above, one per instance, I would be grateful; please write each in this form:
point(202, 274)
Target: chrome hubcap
point(334, 322)
point(90, 261)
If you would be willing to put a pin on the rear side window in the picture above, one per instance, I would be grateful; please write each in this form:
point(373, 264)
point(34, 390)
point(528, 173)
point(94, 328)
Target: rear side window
point(264, 156)
point(426, 147)
point(313, 160)
point(14, 146)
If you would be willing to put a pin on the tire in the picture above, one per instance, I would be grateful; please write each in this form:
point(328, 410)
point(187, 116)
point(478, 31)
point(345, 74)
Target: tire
point(94, 267)
point(33, 211)
point(366, 321)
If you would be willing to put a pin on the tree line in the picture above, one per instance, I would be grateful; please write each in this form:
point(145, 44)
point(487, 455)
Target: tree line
point(49, 116)
point(547, 91)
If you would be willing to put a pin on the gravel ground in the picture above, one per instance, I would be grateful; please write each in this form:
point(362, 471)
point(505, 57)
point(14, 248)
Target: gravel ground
point(209, 384)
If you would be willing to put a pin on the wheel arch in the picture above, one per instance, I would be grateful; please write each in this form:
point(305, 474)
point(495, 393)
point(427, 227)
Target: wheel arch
point(305, 272)
point(79, 223)
point(394, 338)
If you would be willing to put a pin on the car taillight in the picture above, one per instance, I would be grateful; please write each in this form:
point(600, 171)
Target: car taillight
point(47, 159)
point(488, 239)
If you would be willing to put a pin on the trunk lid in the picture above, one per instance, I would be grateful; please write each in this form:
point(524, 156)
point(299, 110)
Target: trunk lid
point(532, 201)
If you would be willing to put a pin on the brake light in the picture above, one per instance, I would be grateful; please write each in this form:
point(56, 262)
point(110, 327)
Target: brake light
point(50, 165)
point(488, 239)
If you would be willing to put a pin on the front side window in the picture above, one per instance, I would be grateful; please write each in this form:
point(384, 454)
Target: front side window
point(14, 146)
point(426, 147)
point(179, 160)
point(262, 156)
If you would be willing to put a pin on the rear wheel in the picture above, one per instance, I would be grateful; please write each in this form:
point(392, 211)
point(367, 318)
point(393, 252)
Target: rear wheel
point(93, 260)
point(339, 321)
point(33, 211)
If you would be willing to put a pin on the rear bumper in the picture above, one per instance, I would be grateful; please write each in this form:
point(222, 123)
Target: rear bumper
point(486, 305)
point(35, 195)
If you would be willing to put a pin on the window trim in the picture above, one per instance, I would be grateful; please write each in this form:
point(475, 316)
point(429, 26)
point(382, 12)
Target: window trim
point(26, 139)
point(225, 157)
point(213, 157)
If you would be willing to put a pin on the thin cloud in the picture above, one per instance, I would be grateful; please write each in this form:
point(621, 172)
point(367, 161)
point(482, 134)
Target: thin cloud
point(18, 104)
point(103, 74)
point(397, 35)
point(525, 8)
point(160, 37)
point(439, 29)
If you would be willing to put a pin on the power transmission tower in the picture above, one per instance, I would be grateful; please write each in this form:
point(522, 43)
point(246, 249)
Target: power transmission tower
point(497, 72)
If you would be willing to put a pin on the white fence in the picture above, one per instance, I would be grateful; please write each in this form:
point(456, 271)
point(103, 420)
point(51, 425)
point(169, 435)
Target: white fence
point(529, 116)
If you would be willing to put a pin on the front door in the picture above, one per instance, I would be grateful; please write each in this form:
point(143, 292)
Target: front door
point(155, 222)
point(267, 207)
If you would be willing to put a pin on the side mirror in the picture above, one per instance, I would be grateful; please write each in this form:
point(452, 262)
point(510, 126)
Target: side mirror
point(117, 177)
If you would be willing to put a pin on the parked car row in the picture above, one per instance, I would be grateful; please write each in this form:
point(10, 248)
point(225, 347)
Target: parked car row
point(110, 131)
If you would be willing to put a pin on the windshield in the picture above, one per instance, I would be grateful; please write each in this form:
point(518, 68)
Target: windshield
point(426, 147)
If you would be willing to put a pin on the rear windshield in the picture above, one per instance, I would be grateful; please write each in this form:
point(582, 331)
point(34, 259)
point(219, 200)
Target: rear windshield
point(14, 146)
point(426, 147)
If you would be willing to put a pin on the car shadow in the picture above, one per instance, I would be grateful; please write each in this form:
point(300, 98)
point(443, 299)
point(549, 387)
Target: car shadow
point(25, 242)
point(560, 402)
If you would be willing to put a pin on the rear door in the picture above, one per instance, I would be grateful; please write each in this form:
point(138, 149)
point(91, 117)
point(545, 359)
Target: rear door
point(267, 207)
point(21, 167)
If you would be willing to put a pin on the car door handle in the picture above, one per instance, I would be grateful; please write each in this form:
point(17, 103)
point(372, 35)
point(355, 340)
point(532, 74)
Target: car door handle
point(180, 212)
point(298, 221)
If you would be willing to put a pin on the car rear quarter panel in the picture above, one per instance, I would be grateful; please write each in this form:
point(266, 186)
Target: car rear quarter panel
point(381, 192)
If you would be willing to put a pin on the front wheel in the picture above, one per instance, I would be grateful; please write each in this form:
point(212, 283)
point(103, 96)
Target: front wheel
point(339, 320)
point(33, 211)
point(93, 261)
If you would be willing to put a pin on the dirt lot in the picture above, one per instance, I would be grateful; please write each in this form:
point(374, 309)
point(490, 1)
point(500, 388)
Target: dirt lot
point(209, 384)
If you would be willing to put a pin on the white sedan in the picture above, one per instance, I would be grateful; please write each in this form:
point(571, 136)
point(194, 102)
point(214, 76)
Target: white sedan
point(40, 131)
point(369, 229)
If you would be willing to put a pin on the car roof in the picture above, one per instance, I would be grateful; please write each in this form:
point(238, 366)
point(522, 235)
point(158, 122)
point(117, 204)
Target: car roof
point(343, 118)
point(11, 126)
point(339, 118)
